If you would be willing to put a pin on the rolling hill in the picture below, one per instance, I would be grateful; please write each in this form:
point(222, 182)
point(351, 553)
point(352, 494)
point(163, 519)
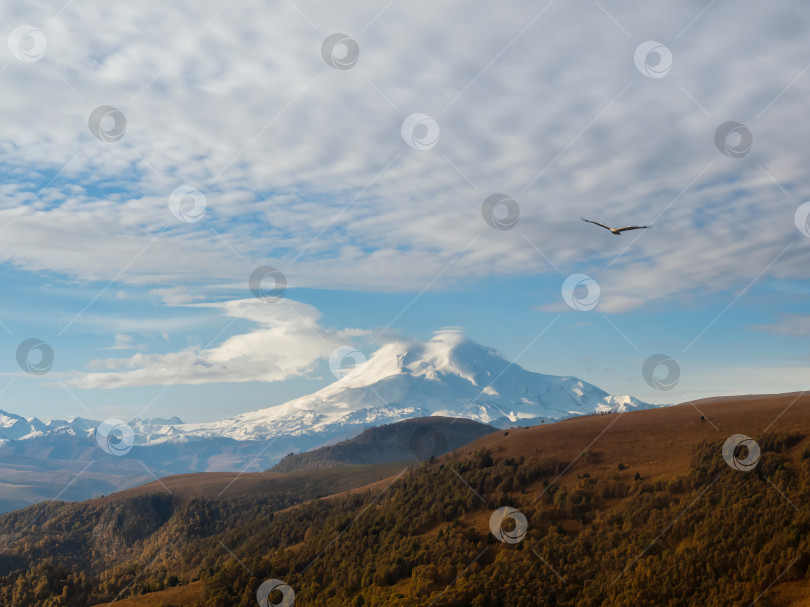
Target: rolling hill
point(406, 441)
point(638, 508)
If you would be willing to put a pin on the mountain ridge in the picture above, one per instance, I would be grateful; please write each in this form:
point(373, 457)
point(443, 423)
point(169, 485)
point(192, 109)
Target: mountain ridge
point(446, 376)
point(409, 440)
point(449, 375)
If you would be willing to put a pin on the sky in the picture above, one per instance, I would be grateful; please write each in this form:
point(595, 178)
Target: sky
point(201, 202)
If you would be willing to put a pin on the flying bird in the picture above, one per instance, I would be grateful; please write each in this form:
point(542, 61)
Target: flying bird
point(616, 231)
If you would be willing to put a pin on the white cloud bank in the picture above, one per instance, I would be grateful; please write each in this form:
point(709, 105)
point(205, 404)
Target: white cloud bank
point(287, 342)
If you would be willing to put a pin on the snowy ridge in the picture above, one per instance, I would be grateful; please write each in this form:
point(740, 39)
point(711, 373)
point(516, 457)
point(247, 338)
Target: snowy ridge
point(15, 427)
point(447, 375)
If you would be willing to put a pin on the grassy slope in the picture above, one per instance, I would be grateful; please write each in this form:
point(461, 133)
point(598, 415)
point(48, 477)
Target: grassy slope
point(181, 596)
point(212, 484)
point(409, 440)
point(657, 444)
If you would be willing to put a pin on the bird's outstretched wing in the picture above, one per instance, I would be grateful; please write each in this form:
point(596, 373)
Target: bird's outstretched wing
point(595, 222)
point(633, 228)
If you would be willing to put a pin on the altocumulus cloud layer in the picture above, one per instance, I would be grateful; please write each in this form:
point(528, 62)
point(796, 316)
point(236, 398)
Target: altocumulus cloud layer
point(303, 166)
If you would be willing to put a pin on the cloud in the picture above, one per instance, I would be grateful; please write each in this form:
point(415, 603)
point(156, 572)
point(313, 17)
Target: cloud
point(175, 296)
point(791, 325)
point(122, 342)
point(304, 167)
point(286, 342)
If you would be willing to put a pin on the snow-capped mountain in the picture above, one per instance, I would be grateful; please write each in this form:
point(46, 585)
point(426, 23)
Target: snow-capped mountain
point(15, 427)
point(448, 375)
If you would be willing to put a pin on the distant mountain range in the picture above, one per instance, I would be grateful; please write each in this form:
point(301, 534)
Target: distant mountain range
point(448, 376)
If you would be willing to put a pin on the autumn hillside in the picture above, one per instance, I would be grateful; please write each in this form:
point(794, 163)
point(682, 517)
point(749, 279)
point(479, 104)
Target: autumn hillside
point(633, 509)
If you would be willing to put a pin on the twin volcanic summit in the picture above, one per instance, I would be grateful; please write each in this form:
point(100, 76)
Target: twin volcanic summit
point(449, 375)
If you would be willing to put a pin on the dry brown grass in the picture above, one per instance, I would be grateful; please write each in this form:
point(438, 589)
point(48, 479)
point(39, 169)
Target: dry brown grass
point(790, 594)
point(211, 484)
point(190, 595)
point(656, 443)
